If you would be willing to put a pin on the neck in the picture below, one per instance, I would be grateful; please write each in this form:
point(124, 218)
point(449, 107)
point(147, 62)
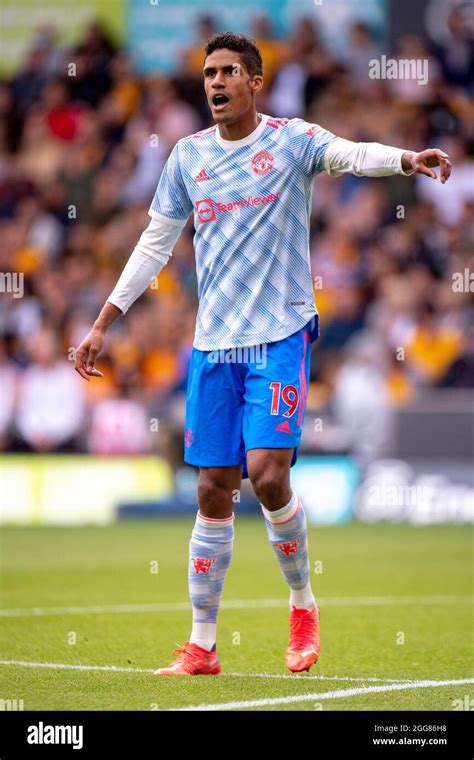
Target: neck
point(242, 128)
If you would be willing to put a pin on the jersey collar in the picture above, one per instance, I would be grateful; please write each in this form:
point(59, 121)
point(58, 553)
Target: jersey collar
point(245, 140)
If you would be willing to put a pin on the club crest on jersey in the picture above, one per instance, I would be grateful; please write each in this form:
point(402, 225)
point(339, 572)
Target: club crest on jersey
point(263, 162)
point(289, 547)
point(205, 210)
point(202, 564)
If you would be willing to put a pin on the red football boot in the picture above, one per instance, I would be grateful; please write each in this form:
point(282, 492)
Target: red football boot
point(192, 660)
point(303, 645)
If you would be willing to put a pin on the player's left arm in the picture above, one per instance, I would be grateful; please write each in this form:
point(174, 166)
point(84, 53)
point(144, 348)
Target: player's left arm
point(377, 160)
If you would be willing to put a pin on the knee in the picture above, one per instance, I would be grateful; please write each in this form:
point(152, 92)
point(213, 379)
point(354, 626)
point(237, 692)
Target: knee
point(214, 497)
point(270, 482)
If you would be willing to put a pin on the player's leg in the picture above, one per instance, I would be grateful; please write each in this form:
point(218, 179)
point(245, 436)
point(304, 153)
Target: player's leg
point(285, 519)
point(210, 553)
point(210, 548)
point(276, 395)
point(213, 442)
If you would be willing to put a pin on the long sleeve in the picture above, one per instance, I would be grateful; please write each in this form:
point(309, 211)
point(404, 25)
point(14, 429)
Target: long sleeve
point(148, 258)
point(363, 159)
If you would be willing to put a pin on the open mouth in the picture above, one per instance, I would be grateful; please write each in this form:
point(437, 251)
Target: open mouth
point(219, 101)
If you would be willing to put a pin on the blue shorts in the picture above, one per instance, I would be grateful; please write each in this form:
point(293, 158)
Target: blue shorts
point(247, 398)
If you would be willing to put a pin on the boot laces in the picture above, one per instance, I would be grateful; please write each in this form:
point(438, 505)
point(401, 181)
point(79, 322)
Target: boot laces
point(301, 630)
point(186, 655)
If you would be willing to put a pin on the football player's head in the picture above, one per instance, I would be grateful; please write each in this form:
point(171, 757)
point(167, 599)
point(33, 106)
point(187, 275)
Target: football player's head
point(232, 76)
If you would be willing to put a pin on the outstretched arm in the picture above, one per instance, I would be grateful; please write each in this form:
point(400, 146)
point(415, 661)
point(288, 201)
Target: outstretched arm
point(377, 160)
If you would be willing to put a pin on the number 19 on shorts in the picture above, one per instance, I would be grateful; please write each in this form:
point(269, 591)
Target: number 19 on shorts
point(289, 396)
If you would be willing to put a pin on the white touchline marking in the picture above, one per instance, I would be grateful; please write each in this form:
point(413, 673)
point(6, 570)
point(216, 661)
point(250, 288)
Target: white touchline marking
point(67, 666)
point(119, 669)
point(340, 693)
point(301, 677)
point(234, 604)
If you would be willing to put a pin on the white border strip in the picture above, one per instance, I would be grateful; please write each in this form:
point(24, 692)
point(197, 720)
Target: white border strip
point(235, 604)
point(339, 694)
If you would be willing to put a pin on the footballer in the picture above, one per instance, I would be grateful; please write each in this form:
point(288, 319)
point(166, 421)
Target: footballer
point(248, 182)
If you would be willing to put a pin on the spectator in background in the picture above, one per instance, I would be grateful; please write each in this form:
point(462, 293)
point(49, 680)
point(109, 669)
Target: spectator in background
point(50, 407)
point(206, 26)
point(10, 123)
point(27, 85)
point(287, 96)
point(360, 50)
point(422, 87)
point(456, 53)
point(432, 347)
point(8, 383)
point(92, 58)
point(120, 425)
point(272, 50)
point(362, 405)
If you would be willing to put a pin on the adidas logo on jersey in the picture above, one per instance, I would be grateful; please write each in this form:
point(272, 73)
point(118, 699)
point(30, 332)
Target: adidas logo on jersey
point(202, 176)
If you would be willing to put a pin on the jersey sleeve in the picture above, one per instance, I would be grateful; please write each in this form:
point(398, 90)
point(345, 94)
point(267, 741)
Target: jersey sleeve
point(171, 200)
point(309, 143)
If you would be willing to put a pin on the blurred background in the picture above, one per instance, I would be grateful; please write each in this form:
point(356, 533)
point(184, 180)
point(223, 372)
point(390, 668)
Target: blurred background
point(92, 100)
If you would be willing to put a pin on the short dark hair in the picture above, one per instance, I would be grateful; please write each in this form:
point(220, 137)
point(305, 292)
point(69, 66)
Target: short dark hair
point(242, 44)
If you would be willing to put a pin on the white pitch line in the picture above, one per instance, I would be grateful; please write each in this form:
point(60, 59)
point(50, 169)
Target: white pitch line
point(338, 694)
point(71, 666)
point(119, 669)
point(301, 677)
point(234, 604)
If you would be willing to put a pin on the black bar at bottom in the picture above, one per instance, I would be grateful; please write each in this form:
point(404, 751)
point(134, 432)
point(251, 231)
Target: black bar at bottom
point(137, 734)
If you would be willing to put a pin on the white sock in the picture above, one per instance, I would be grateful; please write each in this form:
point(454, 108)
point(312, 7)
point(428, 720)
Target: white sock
point(204, 635)
point(302, 598)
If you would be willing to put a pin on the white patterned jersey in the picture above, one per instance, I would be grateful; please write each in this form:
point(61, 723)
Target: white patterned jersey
point(251, 201)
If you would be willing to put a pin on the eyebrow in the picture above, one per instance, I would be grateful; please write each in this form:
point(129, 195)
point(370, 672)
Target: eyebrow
point(230, 66)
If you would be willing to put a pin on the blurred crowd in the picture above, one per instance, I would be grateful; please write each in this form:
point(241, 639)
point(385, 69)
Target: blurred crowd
point(83, 139)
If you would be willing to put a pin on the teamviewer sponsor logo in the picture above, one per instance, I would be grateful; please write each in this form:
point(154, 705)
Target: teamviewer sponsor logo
point(205, 210)
point(251, 200)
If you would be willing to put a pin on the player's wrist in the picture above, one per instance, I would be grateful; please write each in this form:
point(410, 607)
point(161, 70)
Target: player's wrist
point(107, 317)
point(407, 162)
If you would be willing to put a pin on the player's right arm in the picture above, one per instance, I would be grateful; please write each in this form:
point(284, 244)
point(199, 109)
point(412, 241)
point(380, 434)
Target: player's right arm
point(169, 212)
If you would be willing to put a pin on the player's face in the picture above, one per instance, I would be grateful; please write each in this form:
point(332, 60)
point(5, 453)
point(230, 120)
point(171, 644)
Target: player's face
point(229, 88)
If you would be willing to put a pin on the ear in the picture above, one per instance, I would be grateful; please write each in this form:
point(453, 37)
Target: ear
point(256, 84)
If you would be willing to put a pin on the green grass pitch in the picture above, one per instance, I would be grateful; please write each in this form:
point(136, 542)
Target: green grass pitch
point(394, 601)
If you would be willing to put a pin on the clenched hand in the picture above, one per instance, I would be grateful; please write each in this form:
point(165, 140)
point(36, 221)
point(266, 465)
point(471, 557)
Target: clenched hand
point(423, 163)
